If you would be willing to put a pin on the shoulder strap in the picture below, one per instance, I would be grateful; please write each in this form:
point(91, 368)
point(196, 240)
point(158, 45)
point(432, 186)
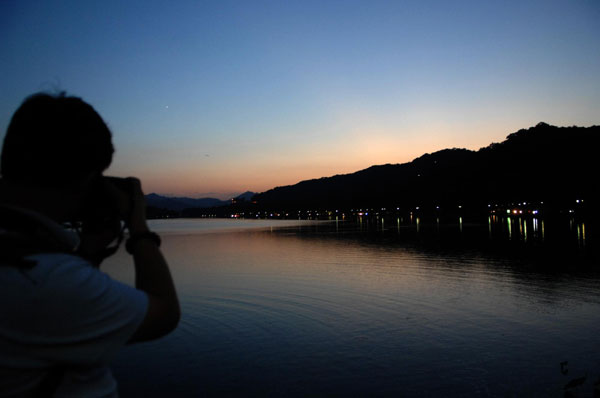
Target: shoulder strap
point(24, 232)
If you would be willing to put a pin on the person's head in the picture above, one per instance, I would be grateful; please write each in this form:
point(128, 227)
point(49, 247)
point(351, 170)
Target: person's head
point(55, 141)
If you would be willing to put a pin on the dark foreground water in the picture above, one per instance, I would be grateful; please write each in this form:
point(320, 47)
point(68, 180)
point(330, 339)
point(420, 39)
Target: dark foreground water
point(280, 308)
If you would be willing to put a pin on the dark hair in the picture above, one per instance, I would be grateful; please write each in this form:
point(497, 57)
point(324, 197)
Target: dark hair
point(55, 140)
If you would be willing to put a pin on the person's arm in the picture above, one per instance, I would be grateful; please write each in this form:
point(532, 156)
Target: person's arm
point(153, 277)
point(151, 272)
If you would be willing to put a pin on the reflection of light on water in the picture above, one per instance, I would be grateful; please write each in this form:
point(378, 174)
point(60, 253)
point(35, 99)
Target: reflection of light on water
point(542, 229)
point(520, 228)
point(525, 229)
point(581, 234)
point(260, 303)
point(398, 223)
point(418, 224)
point(460, 224)
point(490, 227)
point(536, 228)
point(508, 221)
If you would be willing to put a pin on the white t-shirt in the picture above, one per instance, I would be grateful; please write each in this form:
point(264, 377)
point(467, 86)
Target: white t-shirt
point(63, 312)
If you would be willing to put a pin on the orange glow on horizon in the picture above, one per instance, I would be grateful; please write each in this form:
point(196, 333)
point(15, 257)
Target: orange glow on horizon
point(223, 177)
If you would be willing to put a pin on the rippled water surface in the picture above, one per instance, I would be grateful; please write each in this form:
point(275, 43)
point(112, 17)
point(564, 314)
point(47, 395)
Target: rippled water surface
point(297, 309)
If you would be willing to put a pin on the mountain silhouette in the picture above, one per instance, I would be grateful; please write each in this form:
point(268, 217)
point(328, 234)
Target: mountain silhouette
point(543, 163)
point(177, 204)
point(180, 203)
point(246, 196)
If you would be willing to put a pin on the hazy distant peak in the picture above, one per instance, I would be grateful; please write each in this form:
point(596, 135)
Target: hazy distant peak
point(245, 196)
point(180, 203)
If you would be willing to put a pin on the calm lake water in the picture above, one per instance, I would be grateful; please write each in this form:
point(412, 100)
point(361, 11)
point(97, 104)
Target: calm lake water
point(297, 308)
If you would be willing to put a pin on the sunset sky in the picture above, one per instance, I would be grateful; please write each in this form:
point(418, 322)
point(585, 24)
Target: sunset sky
point(216, 98)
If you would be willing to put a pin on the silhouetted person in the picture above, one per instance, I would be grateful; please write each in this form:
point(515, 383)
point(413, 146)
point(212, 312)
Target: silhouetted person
point(61, 318)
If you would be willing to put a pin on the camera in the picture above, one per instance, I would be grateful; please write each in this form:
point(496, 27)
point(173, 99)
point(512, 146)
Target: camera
point(100, 208)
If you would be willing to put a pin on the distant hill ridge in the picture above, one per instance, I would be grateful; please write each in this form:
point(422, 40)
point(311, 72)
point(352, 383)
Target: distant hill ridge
point(180, 203)
point(543, 162)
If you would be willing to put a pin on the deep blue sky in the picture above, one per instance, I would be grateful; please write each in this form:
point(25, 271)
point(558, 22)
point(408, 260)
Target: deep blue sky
point(214, 98)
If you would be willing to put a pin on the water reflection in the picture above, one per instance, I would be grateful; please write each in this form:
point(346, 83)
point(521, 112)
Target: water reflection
point(339, 309)
point(529, 230)
point(581, 234)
